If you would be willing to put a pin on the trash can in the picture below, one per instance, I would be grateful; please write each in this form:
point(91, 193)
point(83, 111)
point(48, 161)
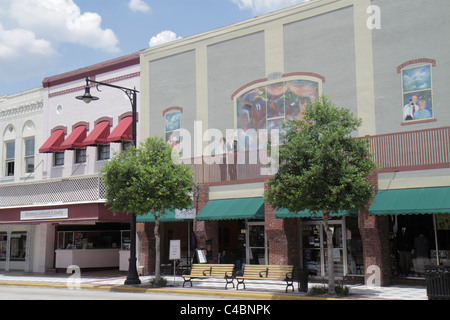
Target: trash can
point(302, 280)
point(437, 279)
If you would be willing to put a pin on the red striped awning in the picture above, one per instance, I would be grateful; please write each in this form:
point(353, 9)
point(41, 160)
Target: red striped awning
point(99, 135)
point(123, 131)
point(53, 143)
point(75, 139)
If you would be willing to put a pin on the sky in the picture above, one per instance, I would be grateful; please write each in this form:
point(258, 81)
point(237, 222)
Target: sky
point(43, 38)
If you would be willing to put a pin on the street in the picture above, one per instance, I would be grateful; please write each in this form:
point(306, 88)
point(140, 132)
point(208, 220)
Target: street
point(42, 293)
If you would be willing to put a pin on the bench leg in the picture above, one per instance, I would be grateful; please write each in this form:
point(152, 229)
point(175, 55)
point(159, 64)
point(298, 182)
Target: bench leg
point(289, 283)
point(188, 280)
point(229, 280)
point(240, 282)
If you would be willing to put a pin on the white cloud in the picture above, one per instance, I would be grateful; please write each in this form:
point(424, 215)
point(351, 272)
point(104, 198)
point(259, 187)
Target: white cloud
point(62, 21)
point(138, 6)
point(163, 37)
point(265, 6)
point(16, 48)
point(15, 41)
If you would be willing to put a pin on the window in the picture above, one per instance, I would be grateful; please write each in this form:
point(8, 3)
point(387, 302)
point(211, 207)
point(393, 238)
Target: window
point(126, 144)
point(29, 155)
point(172, 128)
point(58, 159)
point(103, 152)
point(80, 155)
point(3, 244)
point(18, 246)
point(417, 93)
point(10, 151)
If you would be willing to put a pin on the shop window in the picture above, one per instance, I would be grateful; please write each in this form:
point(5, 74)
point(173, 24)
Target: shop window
point(10, 151)
point(417, 93)
point(58, 159)
point(29, 155)
point(3, 244)
point(89, 239)
point(103, 152)
point(80, 155)
point(18, 246)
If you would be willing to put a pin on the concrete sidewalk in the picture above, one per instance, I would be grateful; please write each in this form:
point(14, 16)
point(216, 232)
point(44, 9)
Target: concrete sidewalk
point(267, 290)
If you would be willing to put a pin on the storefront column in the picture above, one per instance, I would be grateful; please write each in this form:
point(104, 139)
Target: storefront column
point(28, 259)
point(146, 256)
point(282, 237)
point(375, 238)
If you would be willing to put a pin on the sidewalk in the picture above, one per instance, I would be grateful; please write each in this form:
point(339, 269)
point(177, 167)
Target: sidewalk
point(267, 290)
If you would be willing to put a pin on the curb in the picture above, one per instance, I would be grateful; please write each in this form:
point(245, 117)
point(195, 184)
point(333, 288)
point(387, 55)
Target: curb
point(247, 295)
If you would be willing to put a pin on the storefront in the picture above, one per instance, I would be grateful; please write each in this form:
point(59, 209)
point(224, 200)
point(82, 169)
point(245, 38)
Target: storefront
point(38, 239)
point(240, 236)
point(347, 243)
point(174, 225)
point(419, 227)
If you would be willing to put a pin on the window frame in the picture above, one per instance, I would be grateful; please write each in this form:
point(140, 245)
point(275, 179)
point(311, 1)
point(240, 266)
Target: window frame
point(28, 157)
point(10, 162)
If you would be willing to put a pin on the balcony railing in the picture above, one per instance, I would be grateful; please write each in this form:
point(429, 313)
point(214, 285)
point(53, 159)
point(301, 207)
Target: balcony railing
point(412, 150)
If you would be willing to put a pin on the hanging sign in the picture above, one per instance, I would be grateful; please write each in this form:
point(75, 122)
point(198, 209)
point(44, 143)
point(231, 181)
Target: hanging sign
point(184, 214)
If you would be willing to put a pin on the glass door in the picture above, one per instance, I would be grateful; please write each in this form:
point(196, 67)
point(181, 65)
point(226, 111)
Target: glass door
point(315, 251)
point(256, 243)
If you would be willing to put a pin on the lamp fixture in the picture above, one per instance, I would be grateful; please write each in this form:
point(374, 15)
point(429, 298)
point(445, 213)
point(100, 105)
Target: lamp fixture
point(87, 97)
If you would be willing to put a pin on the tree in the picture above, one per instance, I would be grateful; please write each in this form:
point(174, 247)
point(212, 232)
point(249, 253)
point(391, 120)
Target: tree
point(322, 168)
point(145, 179)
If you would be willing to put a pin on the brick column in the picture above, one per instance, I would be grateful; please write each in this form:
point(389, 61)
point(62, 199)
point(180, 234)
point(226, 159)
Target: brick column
point(375, 237)
point(146, 236)
point(282, 237)
point(206, 230)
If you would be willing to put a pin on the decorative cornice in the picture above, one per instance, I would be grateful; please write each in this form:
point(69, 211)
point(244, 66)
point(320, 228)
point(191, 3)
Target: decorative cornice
point(22, 109)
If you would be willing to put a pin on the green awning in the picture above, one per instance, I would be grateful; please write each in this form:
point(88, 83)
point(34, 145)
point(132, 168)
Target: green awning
point(285, 213)
point(169, 216)
point(411, 201)
point(232, 209)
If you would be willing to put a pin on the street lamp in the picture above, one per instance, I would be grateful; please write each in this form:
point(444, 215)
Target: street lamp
point(132, 276)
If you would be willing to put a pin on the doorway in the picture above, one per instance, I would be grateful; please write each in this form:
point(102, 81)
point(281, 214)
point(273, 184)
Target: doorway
point(314, 247)
point(256, 243)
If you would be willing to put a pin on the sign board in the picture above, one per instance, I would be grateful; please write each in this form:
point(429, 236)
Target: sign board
point(175, 250)
point(184, 213)
point(44, 214)
point(201, 256)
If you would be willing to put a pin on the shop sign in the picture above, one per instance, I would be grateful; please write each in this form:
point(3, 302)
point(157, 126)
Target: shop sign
point(44, 214)
point(184, 214)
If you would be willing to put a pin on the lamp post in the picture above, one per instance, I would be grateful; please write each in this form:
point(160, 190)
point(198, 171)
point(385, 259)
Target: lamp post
point(132, 276)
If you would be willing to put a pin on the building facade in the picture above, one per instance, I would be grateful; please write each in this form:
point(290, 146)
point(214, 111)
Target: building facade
point(237, 81)
point(60, 203)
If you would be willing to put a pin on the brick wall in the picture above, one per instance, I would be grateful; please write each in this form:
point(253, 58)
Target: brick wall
point(375, 237)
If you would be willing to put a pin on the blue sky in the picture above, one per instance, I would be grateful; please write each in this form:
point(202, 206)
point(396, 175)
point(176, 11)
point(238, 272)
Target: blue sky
point(42, 38)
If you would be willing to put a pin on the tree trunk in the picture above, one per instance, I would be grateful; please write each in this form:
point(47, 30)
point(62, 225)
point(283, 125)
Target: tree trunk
point(329, 233)
point(157, 250)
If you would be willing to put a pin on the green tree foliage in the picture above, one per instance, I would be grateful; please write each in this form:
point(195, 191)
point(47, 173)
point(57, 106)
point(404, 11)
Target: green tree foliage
point(143, 180)
point(323, 168)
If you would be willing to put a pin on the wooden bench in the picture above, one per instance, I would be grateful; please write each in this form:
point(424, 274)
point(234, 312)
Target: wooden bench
point(207, 271)
point(267, 272)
